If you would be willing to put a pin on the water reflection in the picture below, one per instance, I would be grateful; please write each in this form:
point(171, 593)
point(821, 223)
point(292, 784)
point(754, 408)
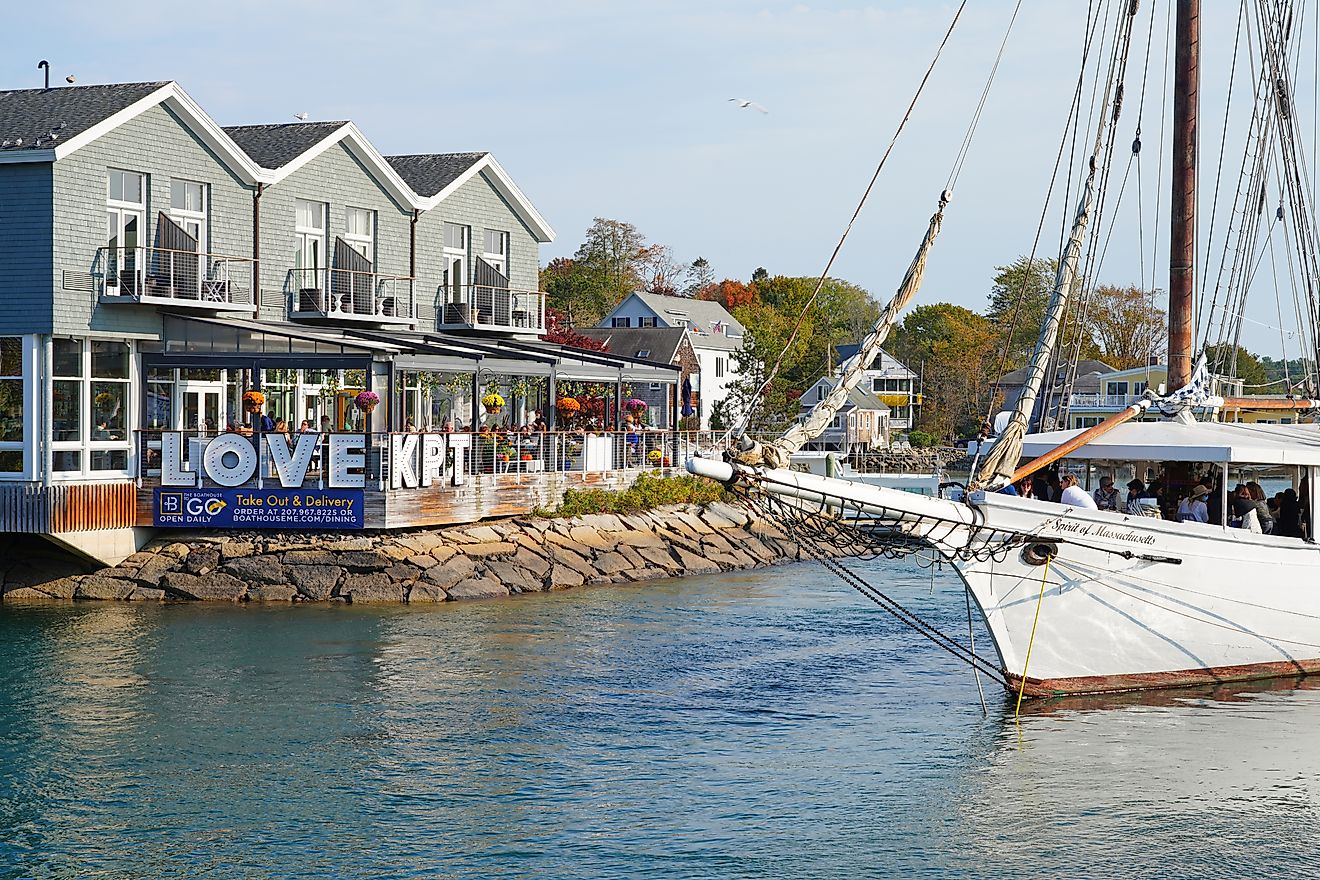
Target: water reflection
point(765, 724)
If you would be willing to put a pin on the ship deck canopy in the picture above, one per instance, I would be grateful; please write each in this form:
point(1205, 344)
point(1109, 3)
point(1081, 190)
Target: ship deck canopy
point(1199, 442)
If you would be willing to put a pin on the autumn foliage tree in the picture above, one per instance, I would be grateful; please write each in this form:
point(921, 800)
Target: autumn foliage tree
point(956, 350)
point(558, 331)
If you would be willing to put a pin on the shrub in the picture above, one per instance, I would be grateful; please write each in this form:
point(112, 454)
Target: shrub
point(920, 439)
point(649, 491)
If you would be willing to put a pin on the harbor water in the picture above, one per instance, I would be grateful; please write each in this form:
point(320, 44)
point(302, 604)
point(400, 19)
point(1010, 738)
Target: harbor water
point(764, 724)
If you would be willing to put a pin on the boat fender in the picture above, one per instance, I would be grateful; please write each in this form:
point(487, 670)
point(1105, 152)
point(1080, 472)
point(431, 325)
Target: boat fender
point(1039, 552)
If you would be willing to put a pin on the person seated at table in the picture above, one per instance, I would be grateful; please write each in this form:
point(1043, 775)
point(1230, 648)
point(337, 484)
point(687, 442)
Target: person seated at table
point(1074, 495)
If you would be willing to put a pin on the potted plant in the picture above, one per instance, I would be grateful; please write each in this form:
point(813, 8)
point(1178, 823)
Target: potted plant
point(493, 402)
point(568, 408)
point(655, 457)
point(635, 406)
point(366, 401)
point(253, 401)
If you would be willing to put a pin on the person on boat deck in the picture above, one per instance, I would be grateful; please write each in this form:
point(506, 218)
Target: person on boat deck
point(1144, 500)
point(1106, 496)
point(1192, 508)
point(1244, 512)
point(1263, 515)
point(1288, 522)
point(1040, 488)
point(1074, 495)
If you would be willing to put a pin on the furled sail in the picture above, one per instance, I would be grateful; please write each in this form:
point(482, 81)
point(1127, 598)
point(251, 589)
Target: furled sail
point(1000, 463)
point(776, 454)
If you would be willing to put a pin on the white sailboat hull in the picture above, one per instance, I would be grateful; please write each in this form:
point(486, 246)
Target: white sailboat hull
point(1128, 602)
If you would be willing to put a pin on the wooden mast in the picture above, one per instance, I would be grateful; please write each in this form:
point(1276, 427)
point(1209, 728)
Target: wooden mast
point(1182, 238)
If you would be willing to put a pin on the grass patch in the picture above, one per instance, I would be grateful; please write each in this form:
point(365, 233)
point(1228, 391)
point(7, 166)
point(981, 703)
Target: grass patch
point(648, 492)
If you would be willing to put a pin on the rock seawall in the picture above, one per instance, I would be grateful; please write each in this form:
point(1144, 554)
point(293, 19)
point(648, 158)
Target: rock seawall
point(479, 561)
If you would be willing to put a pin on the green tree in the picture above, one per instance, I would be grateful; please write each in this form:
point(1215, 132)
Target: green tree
point(1126, 327)
point(956, 350)
point(1236, 362)
point(1031, 282)
point(613, 260)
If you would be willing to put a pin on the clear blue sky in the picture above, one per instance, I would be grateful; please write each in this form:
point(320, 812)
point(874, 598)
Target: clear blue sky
point(620, 110)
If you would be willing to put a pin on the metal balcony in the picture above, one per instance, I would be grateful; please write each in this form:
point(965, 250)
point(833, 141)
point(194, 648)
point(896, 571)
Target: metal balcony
point(501, 309)
point(159, 276)
point(347, 295)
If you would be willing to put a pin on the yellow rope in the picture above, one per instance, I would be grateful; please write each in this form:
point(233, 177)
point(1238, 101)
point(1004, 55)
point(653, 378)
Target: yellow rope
point(1022, 685)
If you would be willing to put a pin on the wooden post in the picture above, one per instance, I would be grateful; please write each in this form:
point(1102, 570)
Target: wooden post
point(1182, 232)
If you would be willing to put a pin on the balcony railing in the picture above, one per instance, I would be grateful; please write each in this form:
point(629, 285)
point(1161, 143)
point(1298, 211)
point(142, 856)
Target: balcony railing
point(478, 307)
point(344, 294)
point(1102, 401)
point(159, 276)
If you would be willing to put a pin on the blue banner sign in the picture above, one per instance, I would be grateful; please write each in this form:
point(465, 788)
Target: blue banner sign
point(258, 508)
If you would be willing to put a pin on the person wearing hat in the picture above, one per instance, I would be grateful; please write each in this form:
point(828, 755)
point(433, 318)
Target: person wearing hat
point(1106, 497)
point(1192, 508)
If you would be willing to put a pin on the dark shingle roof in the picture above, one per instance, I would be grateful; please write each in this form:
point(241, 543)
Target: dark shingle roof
point(429, 173)
point(33, 115)
point(274, 146)
point(661, 342)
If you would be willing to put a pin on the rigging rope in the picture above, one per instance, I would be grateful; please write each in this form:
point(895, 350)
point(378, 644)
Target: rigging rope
point(820, 282)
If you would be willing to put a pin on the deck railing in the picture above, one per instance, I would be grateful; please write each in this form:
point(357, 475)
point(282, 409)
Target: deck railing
point(344, 293)
point(180, 278)
point(480, 307)
point(520, 453)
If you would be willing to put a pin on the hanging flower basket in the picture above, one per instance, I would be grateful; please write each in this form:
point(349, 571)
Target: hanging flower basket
point(366, 401)
point(568, 407)
point(635, 406)
point(492, 402)
point(253, 401)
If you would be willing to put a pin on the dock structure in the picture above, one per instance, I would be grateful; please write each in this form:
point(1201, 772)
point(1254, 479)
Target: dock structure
point(183, 304)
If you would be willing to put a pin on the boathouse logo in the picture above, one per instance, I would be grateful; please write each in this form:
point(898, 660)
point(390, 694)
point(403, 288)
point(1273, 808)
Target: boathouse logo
point(260, 508)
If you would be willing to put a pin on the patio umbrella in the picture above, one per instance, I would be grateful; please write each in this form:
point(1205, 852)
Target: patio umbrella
point(687, 397)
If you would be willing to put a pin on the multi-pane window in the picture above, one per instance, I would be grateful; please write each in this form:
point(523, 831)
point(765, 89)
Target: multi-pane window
point(455, 262)
point(125, 227)
point(889, 386)
point(359, 230)
point(11, 404)
point(646, 321)
point(1116, 389)
point(188, 209)
point(495, 249)
point(90, 405)
point(309, 237)
point(620, 322)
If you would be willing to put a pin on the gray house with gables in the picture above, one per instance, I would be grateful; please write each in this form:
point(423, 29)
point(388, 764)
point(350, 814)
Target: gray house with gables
point(159, 273)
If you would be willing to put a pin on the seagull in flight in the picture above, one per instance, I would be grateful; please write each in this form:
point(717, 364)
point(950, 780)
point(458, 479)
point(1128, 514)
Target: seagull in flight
point(744, 103)
point(301, 117)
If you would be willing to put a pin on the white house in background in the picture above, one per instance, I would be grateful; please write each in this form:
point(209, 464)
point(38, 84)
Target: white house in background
point(887, 380)
point(715, 335)
point(862, 423)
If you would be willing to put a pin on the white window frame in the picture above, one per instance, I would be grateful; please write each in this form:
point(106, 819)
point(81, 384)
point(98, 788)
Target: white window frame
point(307, 234)
point(647, 321)
point(192, 220)
point(27, 445)
point(85, 445)
point(360, 231)
point(456, 254)
point(119, 211)
point(621, 322)
point(498, 259)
